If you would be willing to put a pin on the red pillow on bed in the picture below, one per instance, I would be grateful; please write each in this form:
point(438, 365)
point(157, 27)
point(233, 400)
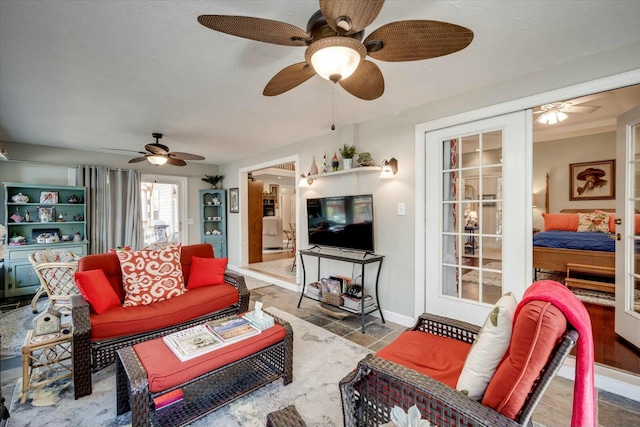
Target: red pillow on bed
point(560, 221)
point(612, 223)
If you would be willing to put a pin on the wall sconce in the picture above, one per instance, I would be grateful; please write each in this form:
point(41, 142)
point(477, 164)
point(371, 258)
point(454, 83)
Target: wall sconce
point(389, 168)
point(305, 181)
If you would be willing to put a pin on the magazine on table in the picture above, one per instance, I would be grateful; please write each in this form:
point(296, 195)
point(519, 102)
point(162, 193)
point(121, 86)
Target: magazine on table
point(192, 342)
point(232, 330)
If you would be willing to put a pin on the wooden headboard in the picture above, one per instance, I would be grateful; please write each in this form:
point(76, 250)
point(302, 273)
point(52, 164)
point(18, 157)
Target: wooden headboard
point(587, 210)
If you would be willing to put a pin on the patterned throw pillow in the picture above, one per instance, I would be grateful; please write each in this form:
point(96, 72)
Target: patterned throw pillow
point(151, 276)
point(593, 222)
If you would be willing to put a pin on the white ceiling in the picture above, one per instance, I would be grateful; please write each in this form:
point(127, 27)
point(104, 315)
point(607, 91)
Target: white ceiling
point(92, 74)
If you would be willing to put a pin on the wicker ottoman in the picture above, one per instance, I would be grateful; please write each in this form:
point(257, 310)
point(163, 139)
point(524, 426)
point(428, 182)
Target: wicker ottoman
point(206, 392)
point(285, 417)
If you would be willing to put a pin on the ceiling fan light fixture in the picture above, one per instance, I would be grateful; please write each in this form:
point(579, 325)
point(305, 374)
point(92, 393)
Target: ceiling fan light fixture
point(335, 58)
point(552, 117)
point(157, 159)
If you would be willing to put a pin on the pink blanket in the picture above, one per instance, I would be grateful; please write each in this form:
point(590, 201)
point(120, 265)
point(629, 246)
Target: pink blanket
point(584, 398)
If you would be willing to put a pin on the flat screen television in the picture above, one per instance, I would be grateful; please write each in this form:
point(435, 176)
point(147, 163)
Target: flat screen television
point(344, 222)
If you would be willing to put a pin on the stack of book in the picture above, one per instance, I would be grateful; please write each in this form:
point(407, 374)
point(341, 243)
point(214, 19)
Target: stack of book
point(201, 339)
point(314, 290)
point(354, 303)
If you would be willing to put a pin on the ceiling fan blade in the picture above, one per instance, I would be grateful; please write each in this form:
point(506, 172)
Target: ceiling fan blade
point(122, 149)
point(176, 162)
point(579, 109)
point(262, 30)
point(185, 156)
point(138, 159)
point(366, 83)
point(288, 78)
point(360, 13)
point(157, 148)
point(417, 39)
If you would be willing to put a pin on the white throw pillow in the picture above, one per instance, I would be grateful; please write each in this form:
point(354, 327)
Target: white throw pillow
point(488, 349)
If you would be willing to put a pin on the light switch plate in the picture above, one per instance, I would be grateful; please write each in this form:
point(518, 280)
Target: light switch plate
point(401, 209)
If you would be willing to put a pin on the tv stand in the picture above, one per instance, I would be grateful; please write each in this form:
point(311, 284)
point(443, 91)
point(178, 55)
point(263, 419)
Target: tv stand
point(353, 258)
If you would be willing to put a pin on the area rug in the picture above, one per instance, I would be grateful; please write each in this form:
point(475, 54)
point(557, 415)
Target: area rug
point(14, 325)
point(488, 278)
point(320, 360)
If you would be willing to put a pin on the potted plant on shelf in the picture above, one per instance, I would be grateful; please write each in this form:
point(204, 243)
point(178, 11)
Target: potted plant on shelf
point(347, 152)
point(213, 180)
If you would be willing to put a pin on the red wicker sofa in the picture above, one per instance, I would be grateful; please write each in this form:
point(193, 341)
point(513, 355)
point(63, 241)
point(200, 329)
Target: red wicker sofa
point(96, 337)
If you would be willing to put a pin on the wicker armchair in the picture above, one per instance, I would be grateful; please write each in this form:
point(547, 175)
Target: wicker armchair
point(370, 392)
point(55, 269)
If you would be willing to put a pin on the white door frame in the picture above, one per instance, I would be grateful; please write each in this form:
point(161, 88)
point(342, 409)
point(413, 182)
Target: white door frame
point(243, 248)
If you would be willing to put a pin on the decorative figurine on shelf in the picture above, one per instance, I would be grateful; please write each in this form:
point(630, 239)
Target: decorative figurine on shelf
point(27, 218)
point(324, 162)
point(78, 217)
point(314, 167)
point(61, 217)
point(335, 164)
point(77, 237)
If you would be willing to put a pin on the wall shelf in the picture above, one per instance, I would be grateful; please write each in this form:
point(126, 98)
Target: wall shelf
point(357, 170)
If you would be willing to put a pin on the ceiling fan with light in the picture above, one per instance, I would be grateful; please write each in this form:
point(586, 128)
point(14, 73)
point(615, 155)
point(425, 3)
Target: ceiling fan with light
point(159, 154)
point(335, 49)
point(556, 112)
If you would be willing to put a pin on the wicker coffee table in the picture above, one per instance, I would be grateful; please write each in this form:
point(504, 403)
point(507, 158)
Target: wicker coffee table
point(204, 393)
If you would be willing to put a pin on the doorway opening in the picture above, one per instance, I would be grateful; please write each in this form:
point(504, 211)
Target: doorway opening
point(576, 149)
point(162, 216)
point(271, 221)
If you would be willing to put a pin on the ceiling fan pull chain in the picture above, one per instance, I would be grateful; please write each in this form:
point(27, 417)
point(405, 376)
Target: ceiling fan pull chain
point(333, 100)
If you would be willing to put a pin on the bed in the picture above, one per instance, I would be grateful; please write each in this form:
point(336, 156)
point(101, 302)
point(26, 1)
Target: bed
point(554, 249)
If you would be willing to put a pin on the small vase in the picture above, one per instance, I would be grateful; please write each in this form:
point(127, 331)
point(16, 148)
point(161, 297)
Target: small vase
point(364, 159)
point(347, 164)
point(314, 167)
point(214, 187)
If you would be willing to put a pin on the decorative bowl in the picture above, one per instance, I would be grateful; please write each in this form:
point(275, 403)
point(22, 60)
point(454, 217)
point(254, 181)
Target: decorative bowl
point(20, 198)
point(73, 199)
point(17, 239)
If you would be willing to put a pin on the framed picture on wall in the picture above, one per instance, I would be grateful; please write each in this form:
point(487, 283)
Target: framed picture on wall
point(234, 200)
point(592, 180)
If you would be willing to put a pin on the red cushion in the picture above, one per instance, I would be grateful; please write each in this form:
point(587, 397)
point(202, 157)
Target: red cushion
point(164, 369)
point(109, 264)
point(440, 358)
point(122, 321)
point(560, 221)
point(96, 289)
point(202, 250)
point(536, 331)
point(612, 222)
point(206, 271)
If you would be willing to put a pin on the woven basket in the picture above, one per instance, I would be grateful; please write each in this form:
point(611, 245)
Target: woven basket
point(333, 299)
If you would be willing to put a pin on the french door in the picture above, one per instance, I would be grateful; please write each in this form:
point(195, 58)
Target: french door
point(164, 204)
point(627, 318)
point(478, 215)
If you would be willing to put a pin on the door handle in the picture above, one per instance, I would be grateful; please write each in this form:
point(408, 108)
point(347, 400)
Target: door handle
point(615, 236)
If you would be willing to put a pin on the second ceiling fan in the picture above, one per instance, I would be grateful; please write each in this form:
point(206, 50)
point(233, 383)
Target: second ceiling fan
point(335, 49)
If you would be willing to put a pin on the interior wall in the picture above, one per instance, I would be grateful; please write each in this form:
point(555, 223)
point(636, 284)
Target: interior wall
point(37, 164)
point(554, 157)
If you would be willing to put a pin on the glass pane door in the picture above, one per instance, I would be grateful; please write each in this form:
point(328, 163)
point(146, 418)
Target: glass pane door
point(472, 217)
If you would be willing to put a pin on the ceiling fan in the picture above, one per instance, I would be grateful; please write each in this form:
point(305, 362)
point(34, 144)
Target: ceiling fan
point(335, 49)
point(556, 112)
point(159, 154)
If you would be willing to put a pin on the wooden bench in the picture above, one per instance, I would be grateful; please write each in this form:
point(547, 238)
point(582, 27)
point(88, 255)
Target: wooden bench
point(592, 271)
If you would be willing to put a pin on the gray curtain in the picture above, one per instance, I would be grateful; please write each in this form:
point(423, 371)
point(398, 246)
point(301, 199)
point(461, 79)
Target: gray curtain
point(113, 206)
